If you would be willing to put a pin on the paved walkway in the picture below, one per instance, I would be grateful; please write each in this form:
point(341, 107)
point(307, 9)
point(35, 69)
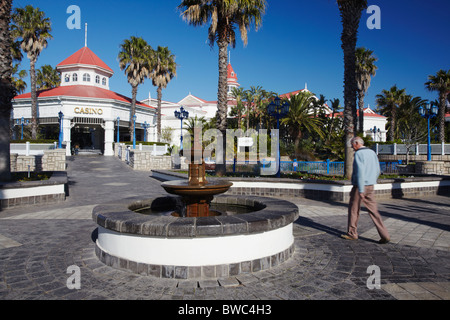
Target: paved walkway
point(39, 245)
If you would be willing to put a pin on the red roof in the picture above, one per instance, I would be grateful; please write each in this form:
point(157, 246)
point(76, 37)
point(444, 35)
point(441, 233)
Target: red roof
point(82, 91)
point(85, 56)
point(231, 74)
point(293, 93)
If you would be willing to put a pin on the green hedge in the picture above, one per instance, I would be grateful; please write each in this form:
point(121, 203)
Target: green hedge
point(34, 141)
point(146, 143)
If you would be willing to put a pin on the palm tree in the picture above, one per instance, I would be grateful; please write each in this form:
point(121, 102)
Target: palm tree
point(365, 70)
point(351, 11)
point(17, 79)
point(164, 69)
point(248, 97)
point(389, 101)
point(6, 89)
point(440, 83)
point(411, 127)
point(17, 76)
point(301, 117)
point(135, 58)
point(31, 26)
point(238, 95)
point(258, 95)
point(224, 16)
point(47, 77)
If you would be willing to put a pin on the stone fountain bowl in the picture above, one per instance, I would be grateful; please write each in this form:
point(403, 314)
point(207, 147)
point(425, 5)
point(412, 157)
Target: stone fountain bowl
point(166, 246)
point(182, 187)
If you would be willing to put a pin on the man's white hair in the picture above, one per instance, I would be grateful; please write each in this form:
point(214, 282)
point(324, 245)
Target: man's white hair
point(357, 139)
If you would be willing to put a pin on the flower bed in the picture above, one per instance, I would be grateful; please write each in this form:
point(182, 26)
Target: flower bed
point(390, 186)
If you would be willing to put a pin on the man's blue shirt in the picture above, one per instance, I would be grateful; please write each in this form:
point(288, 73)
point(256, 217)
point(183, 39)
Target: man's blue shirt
point(366, 168)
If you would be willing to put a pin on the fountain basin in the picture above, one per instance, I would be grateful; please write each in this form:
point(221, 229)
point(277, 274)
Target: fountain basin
point(191, 248)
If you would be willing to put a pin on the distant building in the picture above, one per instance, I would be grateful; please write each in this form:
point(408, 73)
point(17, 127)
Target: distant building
point(92, 113)
point(372, 120)
point(194, 105)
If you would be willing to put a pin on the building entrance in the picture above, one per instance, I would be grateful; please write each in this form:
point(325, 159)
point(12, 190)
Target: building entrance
point(86, 137)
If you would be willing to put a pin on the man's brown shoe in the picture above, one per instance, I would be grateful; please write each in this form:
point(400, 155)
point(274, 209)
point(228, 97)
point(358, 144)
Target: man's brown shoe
point(384, 241)
point(347, 237)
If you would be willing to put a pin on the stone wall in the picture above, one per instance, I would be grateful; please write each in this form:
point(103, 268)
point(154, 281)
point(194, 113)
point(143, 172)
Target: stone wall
point(52, 160)
point(144, 161)
point(433, 167)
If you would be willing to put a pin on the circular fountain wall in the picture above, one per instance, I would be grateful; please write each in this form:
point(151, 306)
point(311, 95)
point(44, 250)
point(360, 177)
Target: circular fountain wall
point(163, 245)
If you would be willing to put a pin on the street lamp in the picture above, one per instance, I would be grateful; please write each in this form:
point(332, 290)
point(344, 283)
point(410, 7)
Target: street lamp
point(182, 114)
point(60, 117)
point(278, 110)
point(22, 122)
point(118, 129)
point(428, 112)
point(145, 125)
point(134, 131)
point(375, 130)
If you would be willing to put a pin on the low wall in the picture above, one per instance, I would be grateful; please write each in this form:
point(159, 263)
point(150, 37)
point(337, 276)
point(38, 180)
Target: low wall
point(52, 160)
point(30, 193)
point(413, 187)
point(144, 161)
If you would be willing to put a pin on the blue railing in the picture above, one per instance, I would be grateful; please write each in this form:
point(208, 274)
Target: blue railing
point(319, 167)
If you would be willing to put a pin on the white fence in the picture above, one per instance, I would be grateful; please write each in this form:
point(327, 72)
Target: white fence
point(418, 149)
point(31, 149)
point(155, 150)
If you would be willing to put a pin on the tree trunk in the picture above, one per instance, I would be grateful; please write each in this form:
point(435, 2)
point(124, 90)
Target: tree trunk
point(222, 108)
point(34, 115)
point(132, 110)
point(351, 15)
point(441, 117)
point(361, 95)
point(392, 124)
point(6, 89)
point(158, 113)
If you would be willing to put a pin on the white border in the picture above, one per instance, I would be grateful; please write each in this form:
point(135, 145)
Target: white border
point(32, 191)
point(200, 251)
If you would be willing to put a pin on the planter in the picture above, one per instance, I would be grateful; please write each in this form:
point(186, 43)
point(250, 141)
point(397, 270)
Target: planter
point(19, 194)
point(412, 187)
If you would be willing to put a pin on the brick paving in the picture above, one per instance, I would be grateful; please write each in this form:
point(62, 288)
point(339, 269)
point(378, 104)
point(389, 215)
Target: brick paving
point(38, 244)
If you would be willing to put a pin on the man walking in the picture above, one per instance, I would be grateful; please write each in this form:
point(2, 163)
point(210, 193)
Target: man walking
point(366, 170)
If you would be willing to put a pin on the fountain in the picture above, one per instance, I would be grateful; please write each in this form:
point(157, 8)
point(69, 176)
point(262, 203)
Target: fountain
point(180, 236)
point(196, 193)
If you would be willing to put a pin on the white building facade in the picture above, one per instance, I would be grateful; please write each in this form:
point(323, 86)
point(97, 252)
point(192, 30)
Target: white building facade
point(93, 117)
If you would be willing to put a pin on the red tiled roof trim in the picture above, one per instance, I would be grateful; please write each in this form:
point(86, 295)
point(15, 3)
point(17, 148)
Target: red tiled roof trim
point(83, 92)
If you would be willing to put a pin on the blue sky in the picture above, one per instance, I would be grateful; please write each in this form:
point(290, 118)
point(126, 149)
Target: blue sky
point(298, 43)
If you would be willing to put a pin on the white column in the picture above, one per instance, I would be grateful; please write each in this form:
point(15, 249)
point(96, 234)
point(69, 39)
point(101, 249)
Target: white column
point(109, 137)
point(67, 135)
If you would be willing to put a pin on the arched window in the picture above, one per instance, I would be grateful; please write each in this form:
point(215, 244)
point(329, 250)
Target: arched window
point(67, 78)
point(104, 81)
point(97, 79)
point(86, 77)
point(75, 77)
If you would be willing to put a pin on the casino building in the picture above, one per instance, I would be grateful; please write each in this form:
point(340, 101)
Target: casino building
point(92, 115)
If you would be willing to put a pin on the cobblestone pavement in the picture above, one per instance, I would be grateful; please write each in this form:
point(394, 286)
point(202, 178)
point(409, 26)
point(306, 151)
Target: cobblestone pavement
point(39, 244)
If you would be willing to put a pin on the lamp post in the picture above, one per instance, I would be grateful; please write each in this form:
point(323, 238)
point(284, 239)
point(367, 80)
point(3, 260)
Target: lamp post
point(60, 117)
point(145, 125)
point(375, 130)
point(134, 131)
point(118, 129)
point(278, 110)
point(428, 112)
point(22, 122)
point(182, 114)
